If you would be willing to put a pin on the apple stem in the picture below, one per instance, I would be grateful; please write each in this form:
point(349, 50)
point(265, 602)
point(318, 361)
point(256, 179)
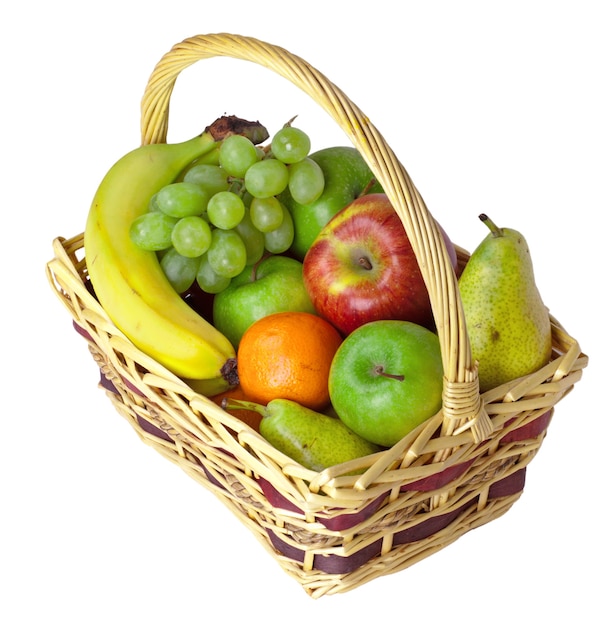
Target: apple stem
point(365, 263)
point(380, 372)
point(255, 266)
point(367, 187)
point(497, 232)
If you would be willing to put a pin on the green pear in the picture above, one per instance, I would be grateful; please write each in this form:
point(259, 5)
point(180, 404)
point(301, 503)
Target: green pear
point(508, 325)
point(314, 440)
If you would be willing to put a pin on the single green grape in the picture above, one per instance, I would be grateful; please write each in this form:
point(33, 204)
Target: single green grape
point(227, 253)
point(208, 280)
point(290, 145)
point(225, 210)
point(237, 154)
point(306, 181)
point(266, 178)
point(153, 204)
point(152, 231)
point(266, 213)
point(179, 270)
point(280, 239)
point(212, 178)
point(182, 199)
point(253, 239)
point(191, 236)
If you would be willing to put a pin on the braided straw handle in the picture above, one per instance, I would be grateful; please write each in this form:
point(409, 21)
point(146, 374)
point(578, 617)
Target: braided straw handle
point(462, 406)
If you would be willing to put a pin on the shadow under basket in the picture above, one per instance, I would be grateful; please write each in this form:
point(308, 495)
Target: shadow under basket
point(334, 530)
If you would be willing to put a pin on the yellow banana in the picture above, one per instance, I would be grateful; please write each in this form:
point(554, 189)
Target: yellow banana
point(129, 282)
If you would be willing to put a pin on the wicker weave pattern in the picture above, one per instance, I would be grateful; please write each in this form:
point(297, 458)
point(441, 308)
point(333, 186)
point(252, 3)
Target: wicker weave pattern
point(330, 531)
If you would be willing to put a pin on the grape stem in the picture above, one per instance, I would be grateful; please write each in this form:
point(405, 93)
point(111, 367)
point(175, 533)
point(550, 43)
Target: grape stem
point(237, 185)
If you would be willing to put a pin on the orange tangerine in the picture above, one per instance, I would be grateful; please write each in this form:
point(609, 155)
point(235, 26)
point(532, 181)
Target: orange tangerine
point(288, 355)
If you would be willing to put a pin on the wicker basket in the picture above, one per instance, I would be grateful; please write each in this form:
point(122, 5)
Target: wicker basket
point(330, 531)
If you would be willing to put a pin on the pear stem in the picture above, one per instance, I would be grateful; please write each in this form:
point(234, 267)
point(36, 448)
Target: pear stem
point(380, 372)
point(497, 232)
point(233, 403)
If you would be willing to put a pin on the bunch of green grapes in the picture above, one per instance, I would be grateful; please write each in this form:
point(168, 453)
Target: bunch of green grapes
point(224, 212)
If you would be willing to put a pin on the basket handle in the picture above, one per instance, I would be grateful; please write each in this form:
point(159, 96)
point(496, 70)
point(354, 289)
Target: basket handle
point(462, 406)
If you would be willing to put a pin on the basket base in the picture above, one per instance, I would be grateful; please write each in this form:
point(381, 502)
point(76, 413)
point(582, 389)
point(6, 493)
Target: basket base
point(317, 583)
point(508, 488)
point(332, 571)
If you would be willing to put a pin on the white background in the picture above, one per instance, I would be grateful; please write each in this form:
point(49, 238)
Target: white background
point(501, 107)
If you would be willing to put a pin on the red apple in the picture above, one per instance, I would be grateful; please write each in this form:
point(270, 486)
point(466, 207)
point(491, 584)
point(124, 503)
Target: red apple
point(361, 268)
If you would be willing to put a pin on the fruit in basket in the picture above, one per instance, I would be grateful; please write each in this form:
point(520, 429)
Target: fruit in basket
point(306, 180)
point(386, 379)
point(290, 144)
point(129, 281)
point(153, 231)
point(253, 239)
point(362, 268)
point(288, 355)
point(179, 270)
point(279, 240)
point(266, 178)
point(346, 177)
point(181, 199)
point(237, 154)
point(507, 322)
point(272, 285)
point(222, 208)
point(314, 440)
point(227, 254)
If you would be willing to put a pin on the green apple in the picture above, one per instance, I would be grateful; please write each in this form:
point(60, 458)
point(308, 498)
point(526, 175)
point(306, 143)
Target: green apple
point(386, 379)
point(273, 284)
point(347, 176)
